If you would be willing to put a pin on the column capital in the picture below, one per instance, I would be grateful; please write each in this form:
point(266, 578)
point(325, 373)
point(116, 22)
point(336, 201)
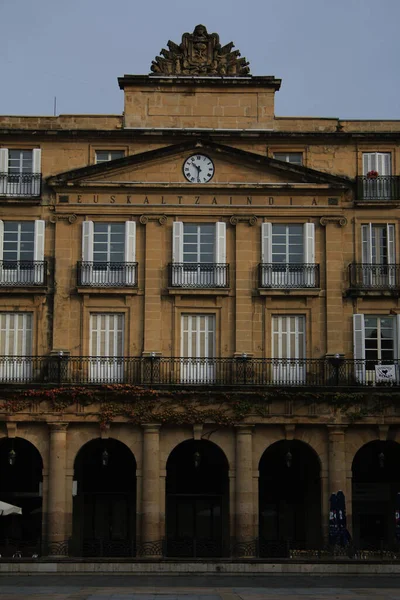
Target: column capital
point(161, 219)
point(244, 429)
point(151, 427)
point(57, 426)
point(336, 429)
point(341, 221)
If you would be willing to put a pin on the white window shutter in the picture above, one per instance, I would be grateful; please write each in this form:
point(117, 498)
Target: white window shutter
point(3, 160)
point(398, 337)
point(369, 162)
point(1, 239)
point(87, 241)
point(391, 244)
point(383, 163)
point(177, 242)
point(36, 160)
point(38, 248)
point(266, 243)
point(220, 243)
point(359, 348)
point(366, 244)
point(309, 243)
point(130, 241)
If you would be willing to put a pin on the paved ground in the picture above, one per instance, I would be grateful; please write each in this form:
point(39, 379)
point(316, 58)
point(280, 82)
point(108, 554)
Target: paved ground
point(275, 587)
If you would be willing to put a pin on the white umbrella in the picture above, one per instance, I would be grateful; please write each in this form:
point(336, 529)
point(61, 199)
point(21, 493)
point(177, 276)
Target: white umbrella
point(9, 509)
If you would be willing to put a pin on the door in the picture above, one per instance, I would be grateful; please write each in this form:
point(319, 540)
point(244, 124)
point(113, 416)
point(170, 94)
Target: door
point(15, 346)
point(106, 348)
point(288, 349)
point(377, 187)
point(198, 348)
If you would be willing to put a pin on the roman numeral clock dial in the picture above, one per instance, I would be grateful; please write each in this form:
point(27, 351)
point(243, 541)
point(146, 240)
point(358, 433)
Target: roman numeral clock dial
point(198, 168)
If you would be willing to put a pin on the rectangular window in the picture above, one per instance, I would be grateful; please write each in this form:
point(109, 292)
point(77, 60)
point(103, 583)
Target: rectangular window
point(15, 341)
point(199, 255)
point(22, 252)
point(295, 158)
point(20, 172)
point(377, 171)
point(108, 254)
point(106, 347)
point(376, 343)
point(378, 255)
point(288, 349)
point(198, 348)
point(107, 155)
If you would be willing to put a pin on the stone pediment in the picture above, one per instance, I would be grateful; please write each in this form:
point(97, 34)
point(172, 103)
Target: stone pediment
point(164, 167)
point(200, 54)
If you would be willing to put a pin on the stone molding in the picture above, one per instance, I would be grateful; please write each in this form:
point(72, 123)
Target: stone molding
point(58, 426)
point(340, 221)
point(251, 220)
point(144, 219)
point(69, 218)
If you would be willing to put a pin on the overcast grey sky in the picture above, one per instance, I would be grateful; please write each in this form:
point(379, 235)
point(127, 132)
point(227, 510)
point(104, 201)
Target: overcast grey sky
point(337, 58)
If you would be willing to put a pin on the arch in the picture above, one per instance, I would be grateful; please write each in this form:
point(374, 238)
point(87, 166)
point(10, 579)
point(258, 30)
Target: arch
point(169, 442)
point(376, 484)
point(21, 468)
point(289, 498)
point(104, 505)
point(197, 500)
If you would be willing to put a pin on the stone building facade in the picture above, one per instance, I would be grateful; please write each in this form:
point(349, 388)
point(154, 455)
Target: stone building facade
point(199, 320)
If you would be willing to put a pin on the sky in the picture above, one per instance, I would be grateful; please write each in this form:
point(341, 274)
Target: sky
point(336, 58)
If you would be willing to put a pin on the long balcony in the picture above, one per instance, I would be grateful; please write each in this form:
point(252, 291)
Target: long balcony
point(374, 277)
point(166, 372)
point(20, 184)
point(107, 274)
point(23, 273)
point(198, 275)
point(288, 275)
point(378, 189)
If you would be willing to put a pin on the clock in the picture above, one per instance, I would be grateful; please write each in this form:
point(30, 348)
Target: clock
point(198, 168)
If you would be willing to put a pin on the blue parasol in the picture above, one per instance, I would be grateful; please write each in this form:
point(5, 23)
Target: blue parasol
point(343, 538)
point(333, 523)
point(397, 517)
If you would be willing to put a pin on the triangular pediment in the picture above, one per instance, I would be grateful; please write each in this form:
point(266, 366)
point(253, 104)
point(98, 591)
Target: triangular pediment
point(164, 166)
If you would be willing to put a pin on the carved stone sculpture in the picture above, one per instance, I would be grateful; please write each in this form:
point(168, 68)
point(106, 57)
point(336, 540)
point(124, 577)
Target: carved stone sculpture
point(200, 54)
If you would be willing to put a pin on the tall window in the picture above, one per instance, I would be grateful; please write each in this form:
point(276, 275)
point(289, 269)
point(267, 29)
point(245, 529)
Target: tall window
point(106, 347)
point(108, 254)
point(377, 171)
point(107, 155)
point(288, 348)
point(287, 255)
point(198, 348)
point(15, 341)
point(199, 254)
point(378, 255)
point(376, 339)
point(22, 252)
point(20, 172)
point(295, 158)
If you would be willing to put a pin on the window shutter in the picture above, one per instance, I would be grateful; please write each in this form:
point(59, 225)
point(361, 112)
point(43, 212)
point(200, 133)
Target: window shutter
point(220, 243)
point(398, 338)
point(177, 242)
point(36, 160)
point(87, 241)
point(266, 243)
point(3, 160)
point(1, 239)
point(366, 244)
point(391, 245)
point(383, 163)
point(369, 162)
point(359, 347)
point(309, 244)
point(130, 241)
point(38, 248)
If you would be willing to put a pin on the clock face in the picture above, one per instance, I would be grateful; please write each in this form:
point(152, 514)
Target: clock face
point(198, 168)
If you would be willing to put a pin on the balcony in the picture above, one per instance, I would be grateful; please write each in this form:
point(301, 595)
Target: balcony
point(25, 185)
point(286, 276)
point(385, 189)
point(163, 372)
point(23, 273)
point(107, 275)
point(198, 275)
point(369, 278)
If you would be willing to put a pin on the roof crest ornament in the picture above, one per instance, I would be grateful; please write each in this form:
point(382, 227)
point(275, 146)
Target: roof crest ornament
point(200, 54)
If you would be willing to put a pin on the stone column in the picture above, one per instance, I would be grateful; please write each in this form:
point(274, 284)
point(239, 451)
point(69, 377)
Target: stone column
point(244, 512)
point(243, 293)
point(151, 489)
point(153, 283)
point(56, 504)
point(338, 476)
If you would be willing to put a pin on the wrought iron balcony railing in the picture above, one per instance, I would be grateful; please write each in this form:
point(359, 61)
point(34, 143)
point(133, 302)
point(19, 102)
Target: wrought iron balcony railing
point(198, 275)
point(288, 275)
point(386, 188)
point(374, 277)
point(20, 184)
point(107, 274)
point(23, 273)
point(189, 372)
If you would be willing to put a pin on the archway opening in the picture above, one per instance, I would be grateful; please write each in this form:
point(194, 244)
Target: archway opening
point(289, 499)
point(376, 483)
point(197, 501)
point(104, 508)
point(21, 468)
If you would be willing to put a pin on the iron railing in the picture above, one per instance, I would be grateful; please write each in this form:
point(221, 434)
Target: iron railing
point(23, 273)
point(288, 275)
point(198, 275)
point(107, 274)
point(374, 277)
point(191, 372)
point(20, 184)
point(379, 188)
